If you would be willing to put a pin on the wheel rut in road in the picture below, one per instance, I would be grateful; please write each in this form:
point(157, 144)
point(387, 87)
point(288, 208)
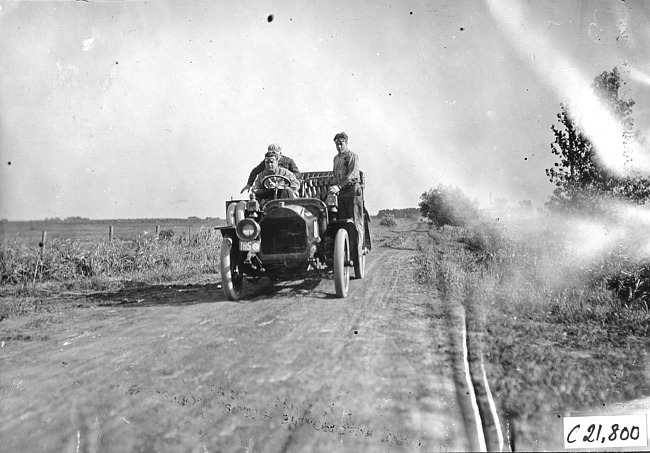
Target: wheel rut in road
point(390, 367)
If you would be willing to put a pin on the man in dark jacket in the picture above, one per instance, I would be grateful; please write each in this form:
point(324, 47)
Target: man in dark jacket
point(281, 184)
point(283, 161)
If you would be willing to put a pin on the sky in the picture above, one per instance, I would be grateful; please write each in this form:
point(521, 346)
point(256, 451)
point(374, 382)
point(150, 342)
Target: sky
point(159, 109)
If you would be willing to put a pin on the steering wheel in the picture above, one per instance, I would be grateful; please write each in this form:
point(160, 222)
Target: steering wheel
point(275, 182)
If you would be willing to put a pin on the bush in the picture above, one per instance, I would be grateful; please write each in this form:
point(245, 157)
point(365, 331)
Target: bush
point(447, 205)
point(388, 221)
point(624, 271)
point(166, 235)
point(405, 213)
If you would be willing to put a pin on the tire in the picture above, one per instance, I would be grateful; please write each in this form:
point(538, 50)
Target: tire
point(231, 282)
point(341, 256)
point(360, 267)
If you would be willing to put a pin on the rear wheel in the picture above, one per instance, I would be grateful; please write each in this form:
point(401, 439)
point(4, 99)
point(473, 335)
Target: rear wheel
point(341, 258)
point(232, 281)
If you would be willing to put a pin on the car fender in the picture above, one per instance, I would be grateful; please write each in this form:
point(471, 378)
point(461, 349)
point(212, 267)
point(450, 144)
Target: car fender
point(349, 226)
point(228, 230)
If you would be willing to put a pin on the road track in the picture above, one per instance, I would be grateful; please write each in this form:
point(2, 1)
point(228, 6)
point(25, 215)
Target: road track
point(291, 368)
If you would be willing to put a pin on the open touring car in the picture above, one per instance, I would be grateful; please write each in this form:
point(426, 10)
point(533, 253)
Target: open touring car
point(288, 237)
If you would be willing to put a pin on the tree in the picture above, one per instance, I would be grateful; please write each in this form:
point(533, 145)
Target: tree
point(447, 205)
point(404, 213)
point(582, 181)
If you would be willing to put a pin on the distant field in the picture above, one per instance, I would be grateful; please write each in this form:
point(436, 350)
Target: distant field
point(30, 233)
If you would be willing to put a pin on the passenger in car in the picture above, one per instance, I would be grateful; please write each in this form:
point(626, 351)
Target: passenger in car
point(283, 161)
point(348, 187)
point(284, 183)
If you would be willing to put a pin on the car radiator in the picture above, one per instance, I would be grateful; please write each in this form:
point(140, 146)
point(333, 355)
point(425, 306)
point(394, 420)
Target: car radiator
point(283, 231)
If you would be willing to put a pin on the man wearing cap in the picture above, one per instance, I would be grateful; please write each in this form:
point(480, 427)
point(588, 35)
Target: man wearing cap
point(283, 161)
point(348, 188)
point(280, 185)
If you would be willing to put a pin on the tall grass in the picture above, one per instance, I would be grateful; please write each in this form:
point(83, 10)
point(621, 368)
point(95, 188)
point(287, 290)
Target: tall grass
point(93, 264)
point(563, 323)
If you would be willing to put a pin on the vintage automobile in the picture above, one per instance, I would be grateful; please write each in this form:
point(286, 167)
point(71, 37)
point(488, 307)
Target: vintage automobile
point(285, 238)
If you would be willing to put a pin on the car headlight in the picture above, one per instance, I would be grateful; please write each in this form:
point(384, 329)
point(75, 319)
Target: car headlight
point(248, 229)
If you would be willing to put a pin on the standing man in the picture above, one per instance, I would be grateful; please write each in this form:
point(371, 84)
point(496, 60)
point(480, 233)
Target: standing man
point(348, 187)
point(283, 161)
point(286, 184)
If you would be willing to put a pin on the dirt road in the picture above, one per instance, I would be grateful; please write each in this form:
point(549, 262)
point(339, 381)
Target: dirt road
point(291, 368)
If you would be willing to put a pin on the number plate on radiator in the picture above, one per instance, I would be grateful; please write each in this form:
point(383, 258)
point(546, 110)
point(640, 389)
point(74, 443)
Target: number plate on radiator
point(247, 246)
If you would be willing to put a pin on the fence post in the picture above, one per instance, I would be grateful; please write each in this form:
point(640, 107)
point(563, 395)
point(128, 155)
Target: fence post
point(189, 233)
point(157, 231)
point(110, 232)
point(42, 243)
point(40, 255)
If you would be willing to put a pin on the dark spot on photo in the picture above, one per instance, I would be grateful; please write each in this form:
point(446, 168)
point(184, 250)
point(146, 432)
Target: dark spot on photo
point(411, 13)
point(462, 28)
point(270, 18)
point(8, 163)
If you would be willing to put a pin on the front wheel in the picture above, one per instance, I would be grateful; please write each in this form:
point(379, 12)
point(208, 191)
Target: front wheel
point(341, 258)
point(232, 281)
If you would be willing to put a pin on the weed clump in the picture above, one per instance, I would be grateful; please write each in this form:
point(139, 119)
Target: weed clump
point(625, 275)
point(166, 235)
point(388, 221)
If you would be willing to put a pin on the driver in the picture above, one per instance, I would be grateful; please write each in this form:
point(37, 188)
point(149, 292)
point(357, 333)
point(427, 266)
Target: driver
point(283, 161)
point(267, 189)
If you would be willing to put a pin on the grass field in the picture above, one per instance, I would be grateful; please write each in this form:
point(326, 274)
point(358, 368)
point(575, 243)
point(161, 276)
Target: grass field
point(545, 306)
point(80, 256)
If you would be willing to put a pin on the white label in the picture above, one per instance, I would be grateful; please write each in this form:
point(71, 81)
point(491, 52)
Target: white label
point(606, 431)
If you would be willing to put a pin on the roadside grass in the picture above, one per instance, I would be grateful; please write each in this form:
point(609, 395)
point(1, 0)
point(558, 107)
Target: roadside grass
point(560, 317)
point(72, 265)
